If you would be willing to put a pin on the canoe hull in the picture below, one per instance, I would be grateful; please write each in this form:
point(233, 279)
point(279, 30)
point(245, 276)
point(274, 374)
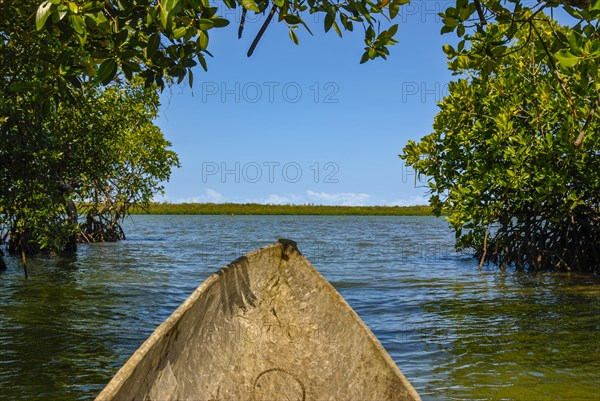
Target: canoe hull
point(266, 327)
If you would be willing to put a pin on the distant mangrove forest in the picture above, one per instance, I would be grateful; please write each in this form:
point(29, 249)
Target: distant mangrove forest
point(262, 209)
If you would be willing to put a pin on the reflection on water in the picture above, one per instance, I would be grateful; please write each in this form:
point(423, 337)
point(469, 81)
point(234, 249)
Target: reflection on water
point(456, 333)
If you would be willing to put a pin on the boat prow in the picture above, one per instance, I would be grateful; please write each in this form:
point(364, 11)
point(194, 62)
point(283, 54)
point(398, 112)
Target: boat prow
point(266, 327)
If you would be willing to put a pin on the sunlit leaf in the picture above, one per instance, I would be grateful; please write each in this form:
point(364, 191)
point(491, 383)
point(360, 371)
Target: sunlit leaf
point(42, 14)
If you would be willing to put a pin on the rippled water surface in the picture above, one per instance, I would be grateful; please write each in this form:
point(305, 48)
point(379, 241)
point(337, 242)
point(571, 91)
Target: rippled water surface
point(455, 332)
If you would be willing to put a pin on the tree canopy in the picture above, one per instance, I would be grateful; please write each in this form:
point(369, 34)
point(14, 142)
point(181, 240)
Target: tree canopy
point(165, 39)
point(162, 40)
point(101, 156)
point(514, 159)
point(100, 150)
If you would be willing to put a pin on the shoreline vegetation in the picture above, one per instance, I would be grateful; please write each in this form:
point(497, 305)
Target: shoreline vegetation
point(263, 209)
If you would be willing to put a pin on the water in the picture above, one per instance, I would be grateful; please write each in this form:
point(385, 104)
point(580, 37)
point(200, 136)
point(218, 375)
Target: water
point(455, 332)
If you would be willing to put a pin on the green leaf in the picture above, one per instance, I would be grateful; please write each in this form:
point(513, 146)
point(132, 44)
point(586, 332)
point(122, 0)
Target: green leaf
point(292, 19)
point(190, 78)
point(164, 17)
point(133, 66)
point(329, 20)
point(464, 13)
point(61, 10)
point(42, 14)
point(202, 61)
point(77, 23)
point(127, 72)
point(294, 37)
point(446, 29)
point(392, 30)
point(181, 76)
point(499, 51)
point(153, 43)
point(337, 29)
point(250, 5)
point(574, 43)
point(179, 33)
point(205, 24)
point(393, 10)
point(450, 22)
point(364, 58)
point(170, 5)
point(107, 71)
point(220, 22)
point(202, 41)
point(566, 58)
point(449, 50)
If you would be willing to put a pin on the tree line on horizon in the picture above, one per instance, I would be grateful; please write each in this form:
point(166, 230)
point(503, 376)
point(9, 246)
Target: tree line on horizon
point(279, 209)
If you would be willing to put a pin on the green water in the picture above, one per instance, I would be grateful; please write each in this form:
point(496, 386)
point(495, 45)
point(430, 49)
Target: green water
point(455, 332)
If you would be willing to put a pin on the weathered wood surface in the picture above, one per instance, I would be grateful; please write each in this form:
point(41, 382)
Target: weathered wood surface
point(266, 327)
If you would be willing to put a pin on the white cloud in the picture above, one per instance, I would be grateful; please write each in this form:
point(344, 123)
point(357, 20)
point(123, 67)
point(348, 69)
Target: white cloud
point(275, 199)
point(210, 196)
point(342, 199)
point(319, 198)
point(213, 195)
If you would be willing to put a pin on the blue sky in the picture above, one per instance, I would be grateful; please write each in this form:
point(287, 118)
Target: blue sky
point(306, 124)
